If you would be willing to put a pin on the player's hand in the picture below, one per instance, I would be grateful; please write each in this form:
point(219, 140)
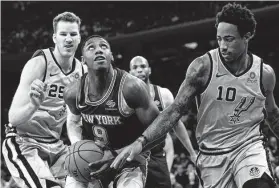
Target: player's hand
point(101, 168)
point(193, 158)
point(37, 92)
point(127, 154)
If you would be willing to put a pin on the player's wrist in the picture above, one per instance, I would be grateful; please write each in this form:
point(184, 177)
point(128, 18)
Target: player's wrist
point(143, 140)
point(33, 106)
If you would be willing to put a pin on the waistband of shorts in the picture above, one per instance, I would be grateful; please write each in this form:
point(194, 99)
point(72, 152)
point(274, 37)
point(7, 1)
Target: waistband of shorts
point(11, 131)
point(47, 140)
point(214, 151)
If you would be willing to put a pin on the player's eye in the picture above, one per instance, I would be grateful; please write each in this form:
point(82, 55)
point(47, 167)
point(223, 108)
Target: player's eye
point(103, 46)
point(90, 47)
point(228, 39)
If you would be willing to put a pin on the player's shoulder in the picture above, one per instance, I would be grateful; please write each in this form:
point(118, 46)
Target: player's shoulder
point(267, 69)
point(34, 68)
point(202, 62)
point(36, 62)
point(134, 90)
point(268, 76)
point(165, 93)
point(132, 82)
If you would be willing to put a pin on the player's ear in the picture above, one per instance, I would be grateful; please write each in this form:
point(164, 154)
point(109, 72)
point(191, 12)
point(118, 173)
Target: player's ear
point(83, 60)
point(112, 58)
point(54, 38)
point(149, 71)
point(247, 36)
point(79, 38)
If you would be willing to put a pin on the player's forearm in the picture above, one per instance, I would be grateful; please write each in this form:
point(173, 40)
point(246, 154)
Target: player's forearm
point(74, 131)
point(160, 127)
point(18, 116)
point(183, 136)
point(273, 121)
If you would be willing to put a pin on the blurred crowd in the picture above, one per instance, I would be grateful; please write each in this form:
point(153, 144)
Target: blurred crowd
point(33, 31)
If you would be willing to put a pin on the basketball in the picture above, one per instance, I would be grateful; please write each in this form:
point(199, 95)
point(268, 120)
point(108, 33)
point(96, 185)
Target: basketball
point(81, 154)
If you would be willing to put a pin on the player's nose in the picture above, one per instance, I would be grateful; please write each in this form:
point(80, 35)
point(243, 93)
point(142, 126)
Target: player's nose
point(223, 45)
point(69, 39)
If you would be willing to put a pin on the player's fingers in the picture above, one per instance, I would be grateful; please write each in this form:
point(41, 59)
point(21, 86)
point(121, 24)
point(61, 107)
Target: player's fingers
point(34, 93)
point(38, 83)
point(120, 160)
point(97, 173)
point(95, 164)
point(131, 156)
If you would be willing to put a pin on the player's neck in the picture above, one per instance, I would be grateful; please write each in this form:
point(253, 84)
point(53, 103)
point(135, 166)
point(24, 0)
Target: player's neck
point(240, 64)
point(64, 62)
point(150, 88)
point(99, 82)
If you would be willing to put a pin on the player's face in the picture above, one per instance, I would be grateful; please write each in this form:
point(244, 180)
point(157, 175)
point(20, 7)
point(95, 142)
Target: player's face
point(97, 54)
point(231, 44)
point(67, 38)
point(140, 69)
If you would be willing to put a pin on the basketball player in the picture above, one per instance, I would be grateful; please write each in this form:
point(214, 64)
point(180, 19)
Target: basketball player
point(33, 151)
point(234, 90)
point(160, 163)
point(115, 109)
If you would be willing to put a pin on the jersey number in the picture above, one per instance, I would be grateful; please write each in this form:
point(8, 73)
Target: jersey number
point(100, 134)
point(230, 93)
point(56, 91)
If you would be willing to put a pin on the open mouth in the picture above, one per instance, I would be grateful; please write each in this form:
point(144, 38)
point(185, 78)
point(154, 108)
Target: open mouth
point(99, 58)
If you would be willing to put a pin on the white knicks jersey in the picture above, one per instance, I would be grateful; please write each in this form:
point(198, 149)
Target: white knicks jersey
point(46, 123)
point(231, 108)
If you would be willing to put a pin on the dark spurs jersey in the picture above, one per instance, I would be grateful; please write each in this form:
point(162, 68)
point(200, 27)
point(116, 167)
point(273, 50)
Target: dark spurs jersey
point(231, 108)
point(160, 104)
point(109, 120)
point(46, 123)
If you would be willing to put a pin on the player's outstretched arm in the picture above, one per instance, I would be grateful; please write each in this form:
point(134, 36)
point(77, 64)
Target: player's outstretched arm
point(30, 92)
point(269, 81)
point(179, 129)
point(196, 78)
point(73, 123)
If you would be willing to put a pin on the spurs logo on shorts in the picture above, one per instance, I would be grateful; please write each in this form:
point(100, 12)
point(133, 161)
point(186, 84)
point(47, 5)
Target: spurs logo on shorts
point(254, 171)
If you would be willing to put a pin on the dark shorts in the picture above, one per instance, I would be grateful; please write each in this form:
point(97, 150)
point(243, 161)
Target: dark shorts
point(158, 175)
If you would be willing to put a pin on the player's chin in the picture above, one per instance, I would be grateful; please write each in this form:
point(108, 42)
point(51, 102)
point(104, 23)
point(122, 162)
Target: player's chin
point(68, 52)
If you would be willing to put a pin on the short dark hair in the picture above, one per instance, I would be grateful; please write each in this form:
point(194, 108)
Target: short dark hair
point(238, 15)
point(95, 36)
point(67, 17)
point(90, 37)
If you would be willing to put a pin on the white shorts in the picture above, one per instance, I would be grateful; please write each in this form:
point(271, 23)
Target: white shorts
point(35, 164)
point(133, 175)
point(232, 170)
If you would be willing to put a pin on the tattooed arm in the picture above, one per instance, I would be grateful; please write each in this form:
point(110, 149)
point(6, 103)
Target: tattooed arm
point(269, 80)
point(196, 78)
